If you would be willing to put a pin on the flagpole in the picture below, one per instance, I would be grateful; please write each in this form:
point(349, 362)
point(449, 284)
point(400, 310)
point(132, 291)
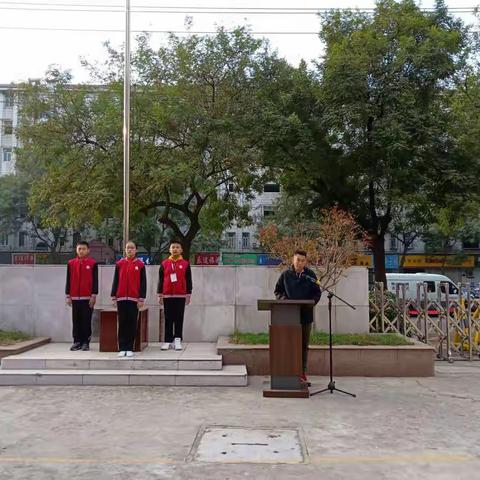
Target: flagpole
point(126, 129)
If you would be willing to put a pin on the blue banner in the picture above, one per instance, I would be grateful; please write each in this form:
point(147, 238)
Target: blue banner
point(267, 259)
point(391, 262)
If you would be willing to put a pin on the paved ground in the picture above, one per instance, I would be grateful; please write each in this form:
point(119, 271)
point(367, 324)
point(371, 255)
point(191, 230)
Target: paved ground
point(396, 429)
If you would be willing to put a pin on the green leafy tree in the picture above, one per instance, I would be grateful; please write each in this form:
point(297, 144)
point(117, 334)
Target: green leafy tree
point(15, 213)
point(193, 104)
point(377, 131)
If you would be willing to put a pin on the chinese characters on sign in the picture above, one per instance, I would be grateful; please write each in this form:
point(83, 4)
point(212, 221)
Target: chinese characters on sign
point(208, 258)
point(23, 259)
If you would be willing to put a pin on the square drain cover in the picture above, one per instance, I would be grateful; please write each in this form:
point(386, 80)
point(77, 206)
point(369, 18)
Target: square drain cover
point(248, 445)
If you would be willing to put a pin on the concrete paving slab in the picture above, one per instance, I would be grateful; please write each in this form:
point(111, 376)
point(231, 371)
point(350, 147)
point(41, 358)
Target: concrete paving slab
point(396, 429)
point(248, 445)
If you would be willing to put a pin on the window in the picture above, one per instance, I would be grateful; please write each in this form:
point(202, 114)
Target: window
point(7, 154)
point(393, 243)
point(245, 240)
point(3, 239)
point(452, 289)
point(271, 187)
point(22, 236)
point(7, 127)
point(8, 99)
point(231, 239)
point(430, 286)
point(268, 211)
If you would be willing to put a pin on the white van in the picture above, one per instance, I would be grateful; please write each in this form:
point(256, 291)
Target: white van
point(432, 280)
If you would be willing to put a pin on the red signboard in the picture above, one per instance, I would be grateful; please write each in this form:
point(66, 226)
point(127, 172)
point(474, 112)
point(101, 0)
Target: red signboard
point(207, 258)
point(23, 258)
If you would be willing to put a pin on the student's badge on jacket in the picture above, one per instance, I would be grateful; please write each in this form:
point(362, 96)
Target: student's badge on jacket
point(173, 277)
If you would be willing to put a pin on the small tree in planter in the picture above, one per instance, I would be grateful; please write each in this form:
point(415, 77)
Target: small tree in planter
point(332, 244)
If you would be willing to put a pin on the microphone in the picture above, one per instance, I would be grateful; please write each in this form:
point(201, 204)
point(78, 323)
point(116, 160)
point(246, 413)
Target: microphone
point(312, 279)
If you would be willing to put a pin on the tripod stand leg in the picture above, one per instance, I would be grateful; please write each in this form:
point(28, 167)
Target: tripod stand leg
point(331, 390)
point(320, 391)
point(346, 393)
point(331, 385)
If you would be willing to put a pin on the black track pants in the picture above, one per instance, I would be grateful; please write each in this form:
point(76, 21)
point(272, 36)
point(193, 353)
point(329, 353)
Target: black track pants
point(127, 324)
point(174, 308)
point(81, 321)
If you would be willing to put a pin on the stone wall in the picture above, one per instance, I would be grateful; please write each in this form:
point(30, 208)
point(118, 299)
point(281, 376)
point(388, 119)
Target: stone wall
point(224, 299)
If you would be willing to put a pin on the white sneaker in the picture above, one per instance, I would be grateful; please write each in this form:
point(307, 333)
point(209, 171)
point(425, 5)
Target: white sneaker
point(177, 344)
point(166, 346)
point(129, 353)
point(121, 353)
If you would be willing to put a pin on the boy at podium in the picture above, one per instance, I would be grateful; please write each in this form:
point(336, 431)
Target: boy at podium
point(300, 283)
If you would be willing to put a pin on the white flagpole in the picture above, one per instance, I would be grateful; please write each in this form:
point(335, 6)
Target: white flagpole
point(126, 129)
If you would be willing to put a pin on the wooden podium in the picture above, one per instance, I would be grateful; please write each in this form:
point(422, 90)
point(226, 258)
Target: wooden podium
point(285, 348)
point(108, 330)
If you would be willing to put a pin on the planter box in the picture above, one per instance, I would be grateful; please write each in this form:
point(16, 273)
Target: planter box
point(416, 360)
point(21, 347)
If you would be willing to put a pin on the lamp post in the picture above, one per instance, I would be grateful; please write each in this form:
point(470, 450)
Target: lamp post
point(126, 129)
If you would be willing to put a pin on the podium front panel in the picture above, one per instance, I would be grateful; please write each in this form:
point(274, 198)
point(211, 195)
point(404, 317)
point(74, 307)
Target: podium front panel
point(285, 348)
point(285, 315)
point(285, 357)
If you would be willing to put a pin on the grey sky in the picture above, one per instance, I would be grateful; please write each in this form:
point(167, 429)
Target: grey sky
point(27, 53)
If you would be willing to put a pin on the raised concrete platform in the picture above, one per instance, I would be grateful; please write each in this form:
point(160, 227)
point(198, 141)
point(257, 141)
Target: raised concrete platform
point(417, 360)
point(194, 356)
point(20, 347)
point(54, 364)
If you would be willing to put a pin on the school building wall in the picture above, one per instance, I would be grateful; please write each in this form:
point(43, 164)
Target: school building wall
point(224, 299)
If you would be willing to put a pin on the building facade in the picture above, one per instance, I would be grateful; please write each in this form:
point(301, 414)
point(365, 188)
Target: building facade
point(8, 123)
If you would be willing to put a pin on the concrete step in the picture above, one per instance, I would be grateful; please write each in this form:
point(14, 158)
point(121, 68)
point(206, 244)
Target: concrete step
point(57, 356)
point(229, 376)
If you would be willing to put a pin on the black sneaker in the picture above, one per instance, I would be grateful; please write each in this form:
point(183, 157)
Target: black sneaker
point(85, 347)
point(76, 346)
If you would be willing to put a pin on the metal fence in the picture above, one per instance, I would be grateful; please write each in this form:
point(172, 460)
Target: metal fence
point(450, 323)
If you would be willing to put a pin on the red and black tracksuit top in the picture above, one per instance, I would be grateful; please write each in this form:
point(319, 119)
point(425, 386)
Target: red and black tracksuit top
point(130, 280)
point(183, 286)
point(82, 278)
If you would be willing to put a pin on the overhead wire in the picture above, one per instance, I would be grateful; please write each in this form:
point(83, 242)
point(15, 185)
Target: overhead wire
point(165, 9)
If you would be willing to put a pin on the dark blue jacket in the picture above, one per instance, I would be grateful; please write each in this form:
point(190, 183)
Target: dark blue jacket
point(297, 286)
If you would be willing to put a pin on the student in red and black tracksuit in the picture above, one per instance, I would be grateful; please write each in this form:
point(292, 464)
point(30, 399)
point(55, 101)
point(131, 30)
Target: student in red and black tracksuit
point(128, 293)
point(81, 290)
point(174, 291)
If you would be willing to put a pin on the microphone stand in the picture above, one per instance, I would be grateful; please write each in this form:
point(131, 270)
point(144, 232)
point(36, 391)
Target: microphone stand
point(331, 384)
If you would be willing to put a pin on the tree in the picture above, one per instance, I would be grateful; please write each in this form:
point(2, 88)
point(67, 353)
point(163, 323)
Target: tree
point(13, 206)
point(15, 213)
point(410, 223)
point(331, 243)
point(377, 132)
point(192, 104)
point(452, 225)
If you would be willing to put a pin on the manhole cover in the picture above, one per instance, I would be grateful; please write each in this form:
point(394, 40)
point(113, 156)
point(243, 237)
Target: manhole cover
point(248, 445)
